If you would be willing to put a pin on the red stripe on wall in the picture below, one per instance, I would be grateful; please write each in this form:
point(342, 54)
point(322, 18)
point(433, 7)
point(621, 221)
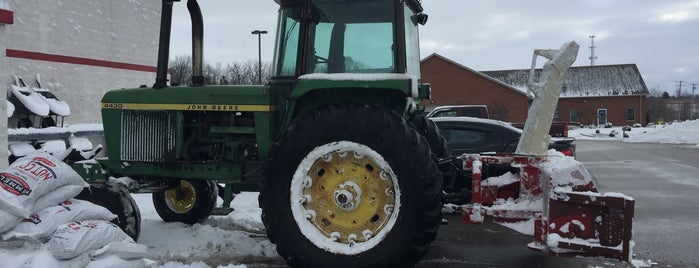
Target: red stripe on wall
point(6, 16)
point(13, 53)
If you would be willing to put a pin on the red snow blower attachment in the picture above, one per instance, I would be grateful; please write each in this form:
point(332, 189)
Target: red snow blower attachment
point(556, 194)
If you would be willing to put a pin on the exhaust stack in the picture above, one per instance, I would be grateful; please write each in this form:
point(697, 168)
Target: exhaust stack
point(164, 43)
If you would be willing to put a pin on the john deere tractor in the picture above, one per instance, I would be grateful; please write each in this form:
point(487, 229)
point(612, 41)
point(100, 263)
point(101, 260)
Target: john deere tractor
point(346, 169)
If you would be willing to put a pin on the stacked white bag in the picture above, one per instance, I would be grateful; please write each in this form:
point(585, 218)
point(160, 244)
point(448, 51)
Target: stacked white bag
point(41, 225)
point(33, 183)
point(30, 190)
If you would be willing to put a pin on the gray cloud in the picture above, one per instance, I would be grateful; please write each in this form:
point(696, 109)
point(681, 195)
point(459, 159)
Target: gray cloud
point(659, 36)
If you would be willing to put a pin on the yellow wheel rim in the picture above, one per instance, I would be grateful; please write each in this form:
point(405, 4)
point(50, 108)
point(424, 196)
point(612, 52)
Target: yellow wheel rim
point(181, 200)
point(345, 197)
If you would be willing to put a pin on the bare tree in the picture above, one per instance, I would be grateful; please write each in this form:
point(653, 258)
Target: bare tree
point(499, 112)
point(659, 109)
point(235, 73)
point(213, 73)
point(180, 70)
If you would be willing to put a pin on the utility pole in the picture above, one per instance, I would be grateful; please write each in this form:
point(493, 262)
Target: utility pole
point(259, 54)
point(694, 87)
point(679, 100)
point(592, 50)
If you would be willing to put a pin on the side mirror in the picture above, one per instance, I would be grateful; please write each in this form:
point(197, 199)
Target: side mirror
point(421, 18)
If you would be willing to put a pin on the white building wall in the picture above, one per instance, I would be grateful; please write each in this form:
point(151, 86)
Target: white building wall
point(104, 30)
point(3, 94)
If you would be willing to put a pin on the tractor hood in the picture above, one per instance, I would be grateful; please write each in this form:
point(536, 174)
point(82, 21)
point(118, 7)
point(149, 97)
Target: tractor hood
point(209, 98)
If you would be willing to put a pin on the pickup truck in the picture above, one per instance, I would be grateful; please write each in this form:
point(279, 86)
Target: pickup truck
point(479, 111)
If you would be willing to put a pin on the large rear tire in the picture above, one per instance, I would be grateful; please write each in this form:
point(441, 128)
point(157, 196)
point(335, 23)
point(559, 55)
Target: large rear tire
point(434, 136)
point(351, 186)
point(191, 202)
point(441, 150)
point(117, 200)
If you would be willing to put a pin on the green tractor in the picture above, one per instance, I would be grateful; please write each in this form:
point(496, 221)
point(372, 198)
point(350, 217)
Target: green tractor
point(346, 166)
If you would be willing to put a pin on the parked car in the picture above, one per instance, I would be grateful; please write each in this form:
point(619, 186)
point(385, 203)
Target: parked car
point(558, 129)
point(478, 135)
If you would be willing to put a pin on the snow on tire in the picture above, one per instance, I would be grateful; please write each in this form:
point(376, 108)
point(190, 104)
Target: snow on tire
point(348, 196)
point(351, 186)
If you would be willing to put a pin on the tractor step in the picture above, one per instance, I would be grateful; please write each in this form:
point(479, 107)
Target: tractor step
point(221, 211)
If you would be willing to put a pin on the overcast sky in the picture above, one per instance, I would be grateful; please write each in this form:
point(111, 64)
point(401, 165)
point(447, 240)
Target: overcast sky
point(660, 36)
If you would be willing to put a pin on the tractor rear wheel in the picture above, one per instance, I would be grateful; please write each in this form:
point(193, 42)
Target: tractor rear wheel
point(441, 150)
point(351, 186)
point(191, 202)
point(434, 136)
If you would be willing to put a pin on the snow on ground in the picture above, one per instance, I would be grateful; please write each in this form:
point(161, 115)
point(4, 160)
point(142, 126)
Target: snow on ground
point(684, 133)
point(227, 241)
point(220, 241)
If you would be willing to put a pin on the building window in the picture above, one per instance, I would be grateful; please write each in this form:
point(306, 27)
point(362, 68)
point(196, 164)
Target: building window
point(555, 116)
point(574, 116)
point(630, 114)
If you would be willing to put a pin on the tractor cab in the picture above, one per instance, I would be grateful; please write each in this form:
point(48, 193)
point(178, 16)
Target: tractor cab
point(343, 36)
point(331, 51)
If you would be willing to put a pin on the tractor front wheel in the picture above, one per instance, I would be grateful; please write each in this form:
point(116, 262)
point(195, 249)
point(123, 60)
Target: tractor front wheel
point(117, 200)
point(190, 202)
point(351, 186)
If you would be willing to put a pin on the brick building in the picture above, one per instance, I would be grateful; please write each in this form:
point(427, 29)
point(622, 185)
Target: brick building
point(594, 95)
point(454, 84)
point(590, 95)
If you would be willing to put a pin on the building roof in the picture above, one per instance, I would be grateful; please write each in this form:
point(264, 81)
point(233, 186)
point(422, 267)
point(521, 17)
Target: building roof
point(583, 81)
point(521, 90)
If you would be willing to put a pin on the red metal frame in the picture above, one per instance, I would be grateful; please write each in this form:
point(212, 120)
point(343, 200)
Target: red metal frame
point(574, 220)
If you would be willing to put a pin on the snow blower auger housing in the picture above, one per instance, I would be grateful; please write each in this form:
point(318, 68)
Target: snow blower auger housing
point(557, 193)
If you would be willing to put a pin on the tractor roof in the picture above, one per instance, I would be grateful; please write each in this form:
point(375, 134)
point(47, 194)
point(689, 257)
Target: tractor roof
point(415, 5)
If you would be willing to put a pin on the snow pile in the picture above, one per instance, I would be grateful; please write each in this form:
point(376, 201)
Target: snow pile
point(219, 241)
point(678, 133)
point(56, 130)
point(686, 132)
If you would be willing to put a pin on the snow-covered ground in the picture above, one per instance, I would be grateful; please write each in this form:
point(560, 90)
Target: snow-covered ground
point(683, 133)
point(220, 241)
point(227, 241)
